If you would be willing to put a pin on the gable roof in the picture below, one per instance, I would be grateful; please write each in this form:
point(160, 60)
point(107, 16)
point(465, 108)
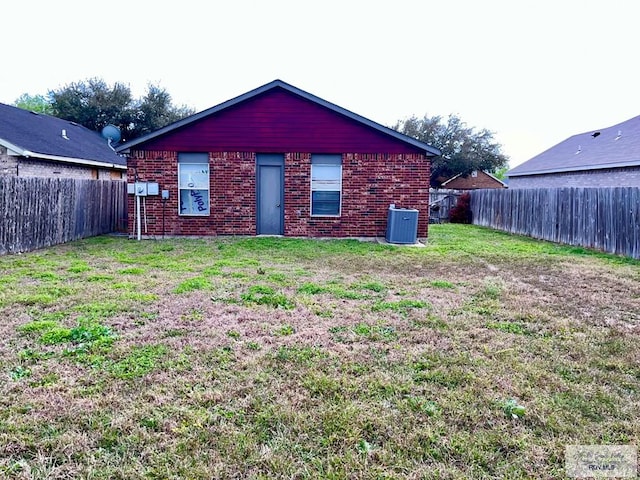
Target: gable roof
point(279, 84)
point(480, 172)
point(612, 147)
point(36, 135)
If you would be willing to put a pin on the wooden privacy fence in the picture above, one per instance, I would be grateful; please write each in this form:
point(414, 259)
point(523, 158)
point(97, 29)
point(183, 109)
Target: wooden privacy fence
point(606, 219)
point(40, 212)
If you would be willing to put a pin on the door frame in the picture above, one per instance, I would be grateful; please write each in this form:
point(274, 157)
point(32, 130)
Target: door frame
point(269, 160)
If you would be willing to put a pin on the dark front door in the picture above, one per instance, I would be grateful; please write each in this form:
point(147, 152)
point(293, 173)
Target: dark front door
point(270, 194)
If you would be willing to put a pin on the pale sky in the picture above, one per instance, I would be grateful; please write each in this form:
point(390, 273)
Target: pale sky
point(532, 72)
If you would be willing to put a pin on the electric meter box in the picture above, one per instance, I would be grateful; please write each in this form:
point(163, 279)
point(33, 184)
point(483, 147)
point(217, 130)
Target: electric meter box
point(141, 189)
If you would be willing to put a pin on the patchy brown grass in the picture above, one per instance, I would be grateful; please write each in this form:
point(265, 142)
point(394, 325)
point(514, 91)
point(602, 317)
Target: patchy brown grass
point(285, 358)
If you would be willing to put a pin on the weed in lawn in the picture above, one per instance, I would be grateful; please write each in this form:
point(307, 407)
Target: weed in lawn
point(78, 266)
point(30, 356)
point(284, 330)
point(85, 338)
point(46, 380)
point(512, 409)
point(191, 284)
point(139, 362)
point(442, 284)
point(509, 327)
point(422, 405)
point(55, 335)
point(333, 288)
point(49, 276)
point(310, 288)
point(322, 312)
point(132, 271)
point(19, 372)
point(400, 306)
point(212, 271)
point(302, 355)
point(150, 423)
point(253, 346)
point(38, 326)
point(100, 310)
point(143, 317)
point(278, 278)
point(44, 295)
point(233, 334)
point(193, 315)
point(265, 295)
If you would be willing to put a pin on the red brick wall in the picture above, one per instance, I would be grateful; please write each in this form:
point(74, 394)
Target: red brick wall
point(370, 182)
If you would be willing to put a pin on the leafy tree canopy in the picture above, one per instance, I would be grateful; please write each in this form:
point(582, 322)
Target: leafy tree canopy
point(34, 103)
point(463, 148)
point(95, 104)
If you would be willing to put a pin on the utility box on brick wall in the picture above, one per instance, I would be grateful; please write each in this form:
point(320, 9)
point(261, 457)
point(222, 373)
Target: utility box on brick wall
point(402, 225)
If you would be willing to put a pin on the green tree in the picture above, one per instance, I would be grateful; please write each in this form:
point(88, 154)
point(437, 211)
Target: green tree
point(34, 103)
point(95, 104)
point(155, 110)
point(501, 173)
point(463, 148)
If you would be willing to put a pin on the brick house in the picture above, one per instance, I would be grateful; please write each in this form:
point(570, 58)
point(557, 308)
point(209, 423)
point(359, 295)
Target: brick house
point(608, 157)
point(278, 160)
point(475, 180)
point(38, 145)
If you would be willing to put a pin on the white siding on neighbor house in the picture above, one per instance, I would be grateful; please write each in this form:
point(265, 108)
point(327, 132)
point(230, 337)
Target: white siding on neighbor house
point(609, 177)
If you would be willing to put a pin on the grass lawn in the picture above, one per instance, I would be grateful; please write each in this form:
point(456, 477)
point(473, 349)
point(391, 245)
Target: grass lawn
point(480, 356)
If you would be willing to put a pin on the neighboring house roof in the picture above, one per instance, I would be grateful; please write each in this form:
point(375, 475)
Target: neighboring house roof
point(482, 180)
point(612, 147)
point(36, 135)
point(279, 84)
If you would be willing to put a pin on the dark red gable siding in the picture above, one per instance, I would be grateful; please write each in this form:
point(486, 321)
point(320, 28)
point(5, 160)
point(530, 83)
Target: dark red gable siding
point(278, 121)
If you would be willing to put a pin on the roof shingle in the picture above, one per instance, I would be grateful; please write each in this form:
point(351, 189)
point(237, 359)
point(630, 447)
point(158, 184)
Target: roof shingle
point(611, 147)
point(42, 134)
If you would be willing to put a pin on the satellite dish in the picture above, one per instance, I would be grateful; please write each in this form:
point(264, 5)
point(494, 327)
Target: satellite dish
point(111, 133)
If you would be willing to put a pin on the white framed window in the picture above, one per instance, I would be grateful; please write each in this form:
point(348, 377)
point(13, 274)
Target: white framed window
point(326, 185)
point(474, 174)
point(193, 184)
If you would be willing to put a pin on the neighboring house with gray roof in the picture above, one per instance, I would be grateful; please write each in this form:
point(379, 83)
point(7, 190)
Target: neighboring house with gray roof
point(38, 145)
point(607, 157)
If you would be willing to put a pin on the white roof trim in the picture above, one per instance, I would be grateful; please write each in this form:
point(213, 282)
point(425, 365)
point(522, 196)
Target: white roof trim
point(12, 149)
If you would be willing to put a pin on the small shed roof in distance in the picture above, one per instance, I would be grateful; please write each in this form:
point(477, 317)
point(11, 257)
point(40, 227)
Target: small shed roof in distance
point(279, 84)
point(612, 147)
point(32, 134)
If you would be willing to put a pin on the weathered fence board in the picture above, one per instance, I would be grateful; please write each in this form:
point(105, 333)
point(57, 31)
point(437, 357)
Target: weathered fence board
point(606, 219)
point(40, 212)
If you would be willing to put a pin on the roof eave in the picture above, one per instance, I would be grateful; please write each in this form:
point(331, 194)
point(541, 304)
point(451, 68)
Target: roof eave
point(14, 149)
point(80, 161)
point(601, 166)
point(428, 149)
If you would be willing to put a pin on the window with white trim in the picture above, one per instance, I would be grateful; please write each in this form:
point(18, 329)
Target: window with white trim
point(326, 185)
point(193, 183)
